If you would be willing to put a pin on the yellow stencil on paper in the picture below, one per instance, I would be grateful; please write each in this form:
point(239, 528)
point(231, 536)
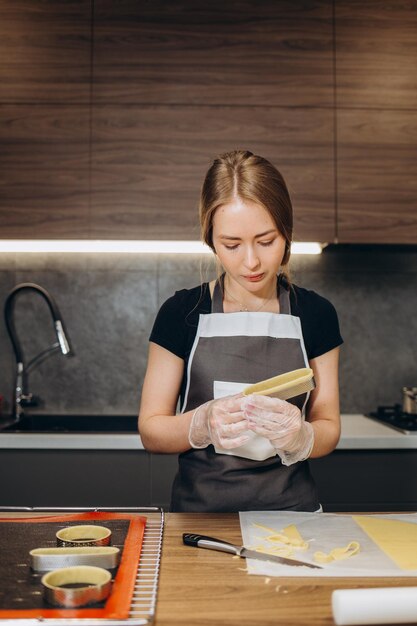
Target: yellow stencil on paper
point(278, 550)
point(295, 539)
point(289, 535)
point(267, 528)
point(277, 538)
point(286, 551)
point(396, 538)
point(338, 554)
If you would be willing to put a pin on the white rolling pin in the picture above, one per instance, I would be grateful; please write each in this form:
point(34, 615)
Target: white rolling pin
point(392, 605)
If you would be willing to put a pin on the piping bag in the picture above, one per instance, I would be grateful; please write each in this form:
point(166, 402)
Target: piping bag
point(284, 386)
point(389, 605)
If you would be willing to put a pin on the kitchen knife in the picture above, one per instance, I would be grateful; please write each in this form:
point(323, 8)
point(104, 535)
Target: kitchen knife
point(201, 541)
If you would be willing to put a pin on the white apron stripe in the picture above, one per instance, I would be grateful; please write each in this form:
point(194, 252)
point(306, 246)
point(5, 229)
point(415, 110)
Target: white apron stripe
point(190, 360)
point(249, 325)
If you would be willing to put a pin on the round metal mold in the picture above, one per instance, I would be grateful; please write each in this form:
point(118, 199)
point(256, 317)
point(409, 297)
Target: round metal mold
point(73, 587)
point(83, 535)
point(46, 559)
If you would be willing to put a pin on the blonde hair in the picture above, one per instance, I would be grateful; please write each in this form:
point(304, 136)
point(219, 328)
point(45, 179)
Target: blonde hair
point(242, 174)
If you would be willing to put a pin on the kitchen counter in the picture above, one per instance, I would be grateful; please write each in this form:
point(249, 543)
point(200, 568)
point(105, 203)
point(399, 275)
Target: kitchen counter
point(199, 586)
point(207, 587)
point(358, 433)
point(71, 441)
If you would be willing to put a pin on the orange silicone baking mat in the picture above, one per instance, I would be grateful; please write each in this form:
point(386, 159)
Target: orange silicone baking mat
point(21, 587)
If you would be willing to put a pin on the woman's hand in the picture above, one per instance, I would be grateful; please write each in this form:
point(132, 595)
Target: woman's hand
point(220, 422)
point(281, 422)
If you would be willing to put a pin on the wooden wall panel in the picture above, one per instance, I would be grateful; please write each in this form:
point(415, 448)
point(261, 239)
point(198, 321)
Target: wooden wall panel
point(44, 171)
point(149, 163)
point(260, 52)
point(377, 176)
point(45, 50)
point(376, 52)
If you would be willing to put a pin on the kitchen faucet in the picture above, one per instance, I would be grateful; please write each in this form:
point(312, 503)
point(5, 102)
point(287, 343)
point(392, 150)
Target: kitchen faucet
point(22, 397)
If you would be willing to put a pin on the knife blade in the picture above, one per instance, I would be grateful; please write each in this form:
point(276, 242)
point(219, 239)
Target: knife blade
point(211, 543)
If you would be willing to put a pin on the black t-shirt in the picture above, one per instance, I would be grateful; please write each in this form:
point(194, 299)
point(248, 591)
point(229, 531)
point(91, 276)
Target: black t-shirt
point(176, 324)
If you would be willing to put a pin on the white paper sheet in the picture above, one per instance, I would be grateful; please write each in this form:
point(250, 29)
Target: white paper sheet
point(391, 605)
point(323, 532)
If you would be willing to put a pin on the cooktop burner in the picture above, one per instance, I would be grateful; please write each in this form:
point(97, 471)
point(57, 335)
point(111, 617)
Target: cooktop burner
point(395, 417)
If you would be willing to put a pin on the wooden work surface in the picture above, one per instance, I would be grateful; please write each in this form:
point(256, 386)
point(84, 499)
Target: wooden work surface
point(204, 587)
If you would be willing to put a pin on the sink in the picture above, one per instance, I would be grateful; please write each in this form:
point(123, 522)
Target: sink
point(72, 424)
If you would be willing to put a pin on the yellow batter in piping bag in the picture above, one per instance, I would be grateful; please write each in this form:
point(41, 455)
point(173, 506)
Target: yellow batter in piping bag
point(284, 386)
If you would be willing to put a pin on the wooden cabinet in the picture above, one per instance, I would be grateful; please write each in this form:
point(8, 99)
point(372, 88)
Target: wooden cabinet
point(45, 52)
point(150, 162)
point(44, 164)
point(239, 53)
point(173, 88)
point(113, 111)
point(377, 174)
point(161, 89)
point(376, 95)
point(376, 51)
point(45, 76)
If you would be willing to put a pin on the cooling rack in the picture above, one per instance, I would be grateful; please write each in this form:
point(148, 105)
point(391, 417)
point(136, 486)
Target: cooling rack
point(144, 596)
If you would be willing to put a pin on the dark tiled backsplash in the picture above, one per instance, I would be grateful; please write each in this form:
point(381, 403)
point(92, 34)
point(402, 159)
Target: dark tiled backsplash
point(108, 303)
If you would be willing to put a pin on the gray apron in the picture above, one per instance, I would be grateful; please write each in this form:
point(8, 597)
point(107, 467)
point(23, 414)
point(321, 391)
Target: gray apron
point(229, 352)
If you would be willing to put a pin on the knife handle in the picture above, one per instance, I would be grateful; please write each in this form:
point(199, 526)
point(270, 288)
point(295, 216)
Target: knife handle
point(211, 543)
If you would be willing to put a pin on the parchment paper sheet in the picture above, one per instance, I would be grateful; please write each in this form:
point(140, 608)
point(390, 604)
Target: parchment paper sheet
point(323, 531)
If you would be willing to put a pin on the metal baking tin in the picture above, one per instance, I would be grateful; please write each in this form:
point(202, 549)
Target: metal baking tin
point(46, 559)
point(93, 585)
point(144, 599)
point(83, 535)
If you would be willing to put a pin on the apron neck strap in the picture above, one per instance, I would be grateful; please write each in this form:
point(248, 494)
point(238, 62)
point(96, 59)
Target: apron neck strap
point(284, 297)
point(217, 299)
point(282, 291)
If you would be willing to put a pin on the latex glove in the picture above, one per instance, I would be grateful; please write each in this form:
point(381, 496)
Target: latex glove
point(282, 423)
point(220, 422)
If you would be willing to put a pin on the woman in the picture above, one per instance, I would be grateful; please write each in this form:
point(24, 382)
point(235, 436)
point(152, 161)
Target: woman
point(242, 452)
